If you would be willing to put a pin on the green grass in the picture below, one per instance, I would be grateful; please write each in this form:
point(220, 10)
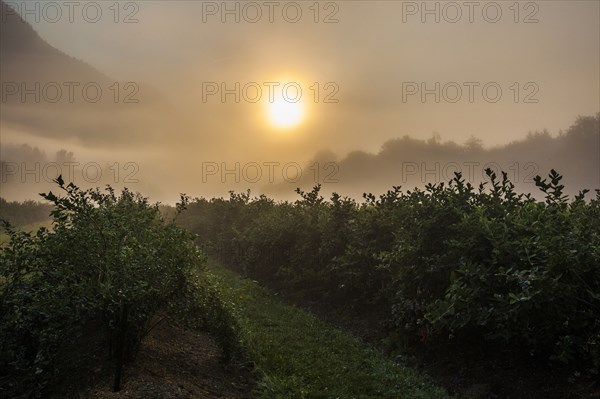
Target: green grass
point(299, 356)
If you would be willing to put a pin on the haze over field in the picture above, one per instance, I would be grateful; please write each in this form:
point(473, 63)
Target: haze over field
point(173, 96)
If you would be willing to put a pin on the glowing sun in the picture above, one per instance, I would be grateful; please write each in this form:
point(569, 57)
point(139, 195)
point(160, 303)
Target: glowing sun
point(284, 114)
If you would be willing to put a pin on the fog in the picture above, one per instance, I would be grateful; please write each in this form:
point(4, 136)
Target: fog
point(383, 93)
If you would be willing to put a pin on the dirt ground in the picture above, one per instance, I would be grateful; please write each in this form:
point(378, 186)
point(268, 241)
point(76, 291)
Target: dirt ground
point(174, 363)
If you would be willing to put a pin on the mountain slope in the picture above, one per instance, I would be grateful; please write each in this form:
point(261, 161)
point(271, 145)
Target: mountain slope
point(50, 94)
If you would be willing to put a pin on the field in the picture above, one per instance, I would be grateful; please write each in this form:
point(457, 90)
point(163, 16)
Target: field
point(458, 278)
point(300, 199)
point(319, 298)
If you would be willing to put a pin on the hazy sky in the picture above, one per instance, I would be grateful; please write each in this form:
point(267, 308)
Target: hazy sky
point(368, 53)
point(374, 59)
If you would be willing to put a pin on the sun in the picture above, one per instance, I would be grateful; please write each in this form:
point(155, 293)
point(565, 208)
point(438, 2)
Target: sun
point(284, 114)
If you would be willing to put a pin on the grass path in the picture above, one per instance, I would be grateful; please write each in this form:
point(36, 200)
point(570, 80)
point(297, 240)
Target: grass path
point(300, 356)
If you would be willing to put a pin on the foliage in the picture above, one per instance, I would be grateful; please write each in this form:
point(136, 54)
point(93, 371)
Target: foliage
point(101, 274)
point(484, 265)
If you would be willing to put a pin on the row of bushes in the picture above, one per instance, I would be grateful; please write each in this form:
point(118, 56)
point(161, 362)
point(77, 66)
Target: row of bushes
point(90, 288)
point(451, 262)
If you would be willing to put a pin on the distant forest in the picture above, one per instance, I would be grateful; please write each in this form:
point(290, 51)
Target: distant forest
point(410, 162)
point(24, 213)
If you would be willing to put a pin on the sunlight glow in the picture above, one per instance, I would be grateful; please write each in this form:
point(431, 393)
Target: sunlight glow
point(284, 114)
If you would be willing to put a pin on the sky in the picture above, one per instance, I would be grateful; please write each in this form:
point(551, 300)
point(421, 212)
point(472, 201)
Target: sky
point(369, 72)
